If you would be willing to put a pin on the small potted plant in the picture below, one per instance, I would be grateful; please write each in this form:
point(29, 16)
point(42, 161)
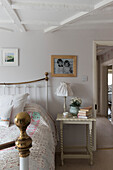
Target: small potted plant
point(74, 105)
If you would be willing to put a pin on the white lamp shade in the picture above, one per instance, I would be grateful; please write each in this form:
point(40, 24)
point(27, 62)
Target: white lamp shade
point(64, 90)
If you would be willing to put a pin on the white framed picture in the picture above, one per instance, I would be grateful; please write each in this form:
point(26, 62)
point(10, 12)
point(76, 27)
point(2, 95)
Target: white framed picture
point(10, 57)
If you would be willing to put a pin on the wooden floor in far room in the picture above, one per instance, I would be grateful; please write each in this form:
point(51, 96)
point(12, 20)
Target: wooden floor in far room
point(103, 157)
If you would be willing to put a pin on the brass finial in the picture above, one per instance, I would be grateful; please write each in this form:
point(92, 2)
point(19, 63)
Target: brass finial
point(24, 142)
point(46, 74)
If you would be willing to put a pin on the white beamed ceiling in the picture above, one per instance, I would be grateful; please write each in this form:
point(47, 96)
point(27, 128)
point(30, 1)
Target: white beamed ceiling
point(53, 15)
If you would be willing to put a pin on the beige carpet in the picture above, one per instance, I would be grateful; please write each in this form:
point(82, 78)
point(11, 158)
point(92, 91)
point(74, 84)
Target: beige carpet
point(104, 132)
point(103, 160)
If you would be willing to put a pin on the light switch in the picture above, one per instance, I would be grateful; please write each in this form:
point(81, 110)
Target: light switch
point(84, 78)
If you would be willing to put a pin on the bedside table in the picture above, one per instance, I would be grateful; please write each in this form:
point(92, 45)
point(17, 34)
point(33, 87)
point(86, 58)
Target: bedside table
point(73, 120)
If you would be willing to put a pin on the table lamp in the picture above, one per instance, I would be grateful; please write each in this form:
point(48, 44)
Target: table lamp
point(64, 90)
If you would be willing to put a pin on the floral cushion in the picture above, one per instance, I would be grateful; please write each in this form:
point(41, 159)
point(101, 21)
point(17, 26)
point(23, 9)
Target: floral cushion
point(35, 118)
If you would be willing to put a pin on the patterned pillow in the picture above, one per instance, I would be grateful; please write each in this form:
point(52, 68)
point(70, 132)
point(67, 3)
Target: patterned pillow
point(5, 114)
point(35, 120)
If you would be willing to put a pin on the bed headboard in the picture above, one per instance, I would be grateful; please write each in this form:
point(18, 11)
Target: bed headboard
point(38, 90)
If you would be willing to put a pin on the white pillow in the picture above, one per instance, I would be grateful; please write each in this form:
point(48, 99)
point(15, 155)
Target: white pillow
point(5, 100)
point(18, 104)
point(5, 115)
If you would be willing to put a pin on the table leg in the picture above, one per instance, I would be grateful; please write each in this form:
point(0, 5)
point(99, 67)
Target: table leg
point(87, 134)
point(90, 148)
point(61, 141)
point(94, 123)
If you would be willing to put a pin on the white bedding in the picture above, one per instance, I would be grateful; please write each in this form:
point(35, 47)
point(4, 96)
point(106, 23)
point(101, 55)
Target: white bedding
point(42, 132)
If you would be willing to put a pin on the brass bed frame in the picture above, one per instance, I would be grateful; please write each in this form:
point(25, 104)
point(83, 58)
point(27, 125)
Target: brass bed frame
point(12, 143)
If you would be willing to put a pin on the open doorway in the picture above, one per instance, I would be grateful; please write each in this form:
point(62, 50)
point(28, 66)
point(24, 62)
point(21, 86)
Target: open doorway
point(95, 73)
point(104, 140)
point(104, 77)
point(95, 85)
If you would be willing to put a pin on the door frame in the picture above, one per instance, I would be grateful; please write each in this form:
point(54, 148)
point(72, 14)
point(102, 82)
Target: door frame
point(95, 82)
point(95, 79)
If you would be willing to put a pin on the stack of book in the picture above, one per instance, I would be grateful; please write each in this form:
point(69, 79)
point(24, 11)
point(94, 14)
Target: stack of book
point(85, 112)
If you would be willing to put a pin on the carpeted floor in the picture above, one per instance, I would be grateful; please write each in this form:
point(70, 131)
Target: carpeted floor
point(104, 133)
point(103, 160)
point(103, 157)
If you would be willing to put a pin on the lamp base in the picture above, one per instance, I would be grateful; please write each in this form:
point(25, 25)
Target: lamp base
point(65, 114)
point(65, 104)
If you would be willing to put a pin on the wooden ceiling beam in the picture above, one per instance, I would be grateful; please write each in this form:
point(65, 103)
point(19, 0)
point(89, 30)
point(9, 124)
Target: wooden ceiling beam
point(67, 21)
point(6, 29)
point(105, 21)
point(75, 18)
point(103, 4)
point(52, 29)
point(36, 22)
point(7, 6)
point(6, 22)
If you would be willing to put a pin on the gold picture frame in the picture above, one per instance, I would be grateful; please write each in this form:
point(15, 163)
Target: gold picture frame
point(63, 65)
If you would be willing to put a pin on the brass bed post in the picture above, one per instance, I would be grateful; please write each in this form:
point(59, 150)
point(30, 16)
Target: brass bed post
point(46, 89)
point(46, 74)
point(24, 142)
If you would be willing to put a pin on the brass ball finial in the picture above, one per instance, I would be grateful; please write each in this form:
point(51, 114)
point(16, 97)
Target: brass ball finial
point(46, 74)
point(22, 120)
point(24, 142)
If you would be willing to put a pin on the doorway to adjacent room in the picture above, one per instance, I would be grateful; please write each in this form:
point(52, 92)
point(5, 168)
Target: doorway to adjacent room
point(100, 83)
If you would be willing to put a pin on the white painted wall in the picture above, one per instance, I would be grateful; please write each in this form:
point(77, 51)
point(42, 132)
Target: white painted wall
point(35, 50)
